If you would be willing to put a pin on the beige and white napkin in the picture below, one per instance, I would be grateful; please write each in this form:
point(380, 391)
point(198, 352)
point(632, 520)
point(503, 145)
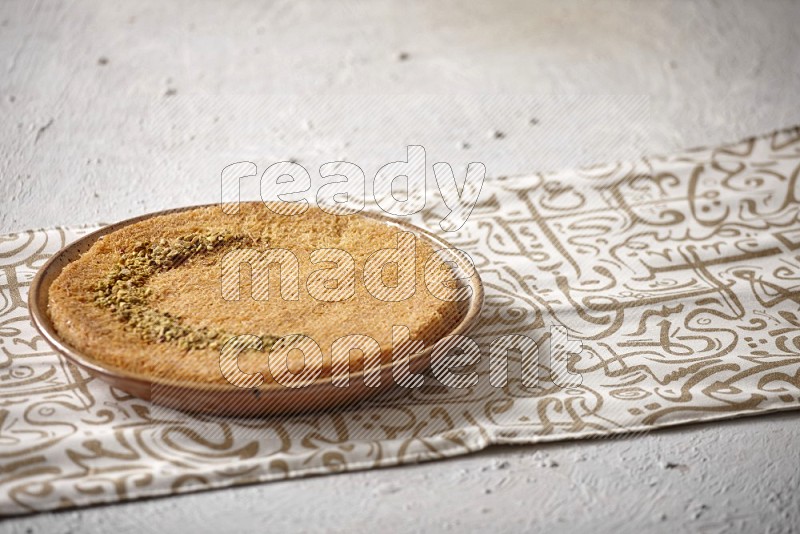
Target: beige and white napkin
point(679, 275)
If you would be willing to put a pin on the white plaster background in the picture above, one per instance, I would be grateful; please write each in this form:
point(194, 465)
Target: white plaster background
point(115, 109)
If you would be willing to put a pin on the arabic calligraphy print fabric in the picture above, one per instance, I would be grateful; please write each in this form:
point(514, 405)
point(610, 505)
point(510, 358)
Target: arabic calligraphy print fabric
point(675, 281)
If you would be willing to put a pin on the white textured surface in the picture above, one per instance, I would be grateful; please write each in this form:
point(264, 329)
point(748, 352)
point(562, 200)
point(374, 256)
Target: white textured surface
point(188, 87)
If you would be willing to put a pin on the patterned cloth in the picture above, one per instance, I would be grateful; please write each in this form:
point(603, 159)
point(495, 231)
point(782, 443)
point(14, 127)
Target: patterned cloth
point(680, 275)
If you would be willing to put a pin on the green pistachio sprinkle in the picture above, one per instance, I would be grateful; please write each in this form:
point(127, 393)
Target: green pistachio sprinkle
point(124, 293)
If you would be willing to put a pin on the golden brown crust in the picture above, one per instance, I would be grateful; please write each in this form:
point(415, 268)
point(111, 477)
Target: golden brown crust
point(193, 293)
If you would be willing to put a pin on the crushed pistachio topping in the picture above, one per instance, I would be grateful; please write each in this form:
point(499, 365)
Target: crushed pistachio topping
point(124, 292)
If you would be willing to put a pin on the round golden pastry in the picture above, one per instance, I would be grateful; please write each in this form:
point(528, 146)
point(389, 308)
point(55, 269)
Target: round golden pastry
point(148, 299)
